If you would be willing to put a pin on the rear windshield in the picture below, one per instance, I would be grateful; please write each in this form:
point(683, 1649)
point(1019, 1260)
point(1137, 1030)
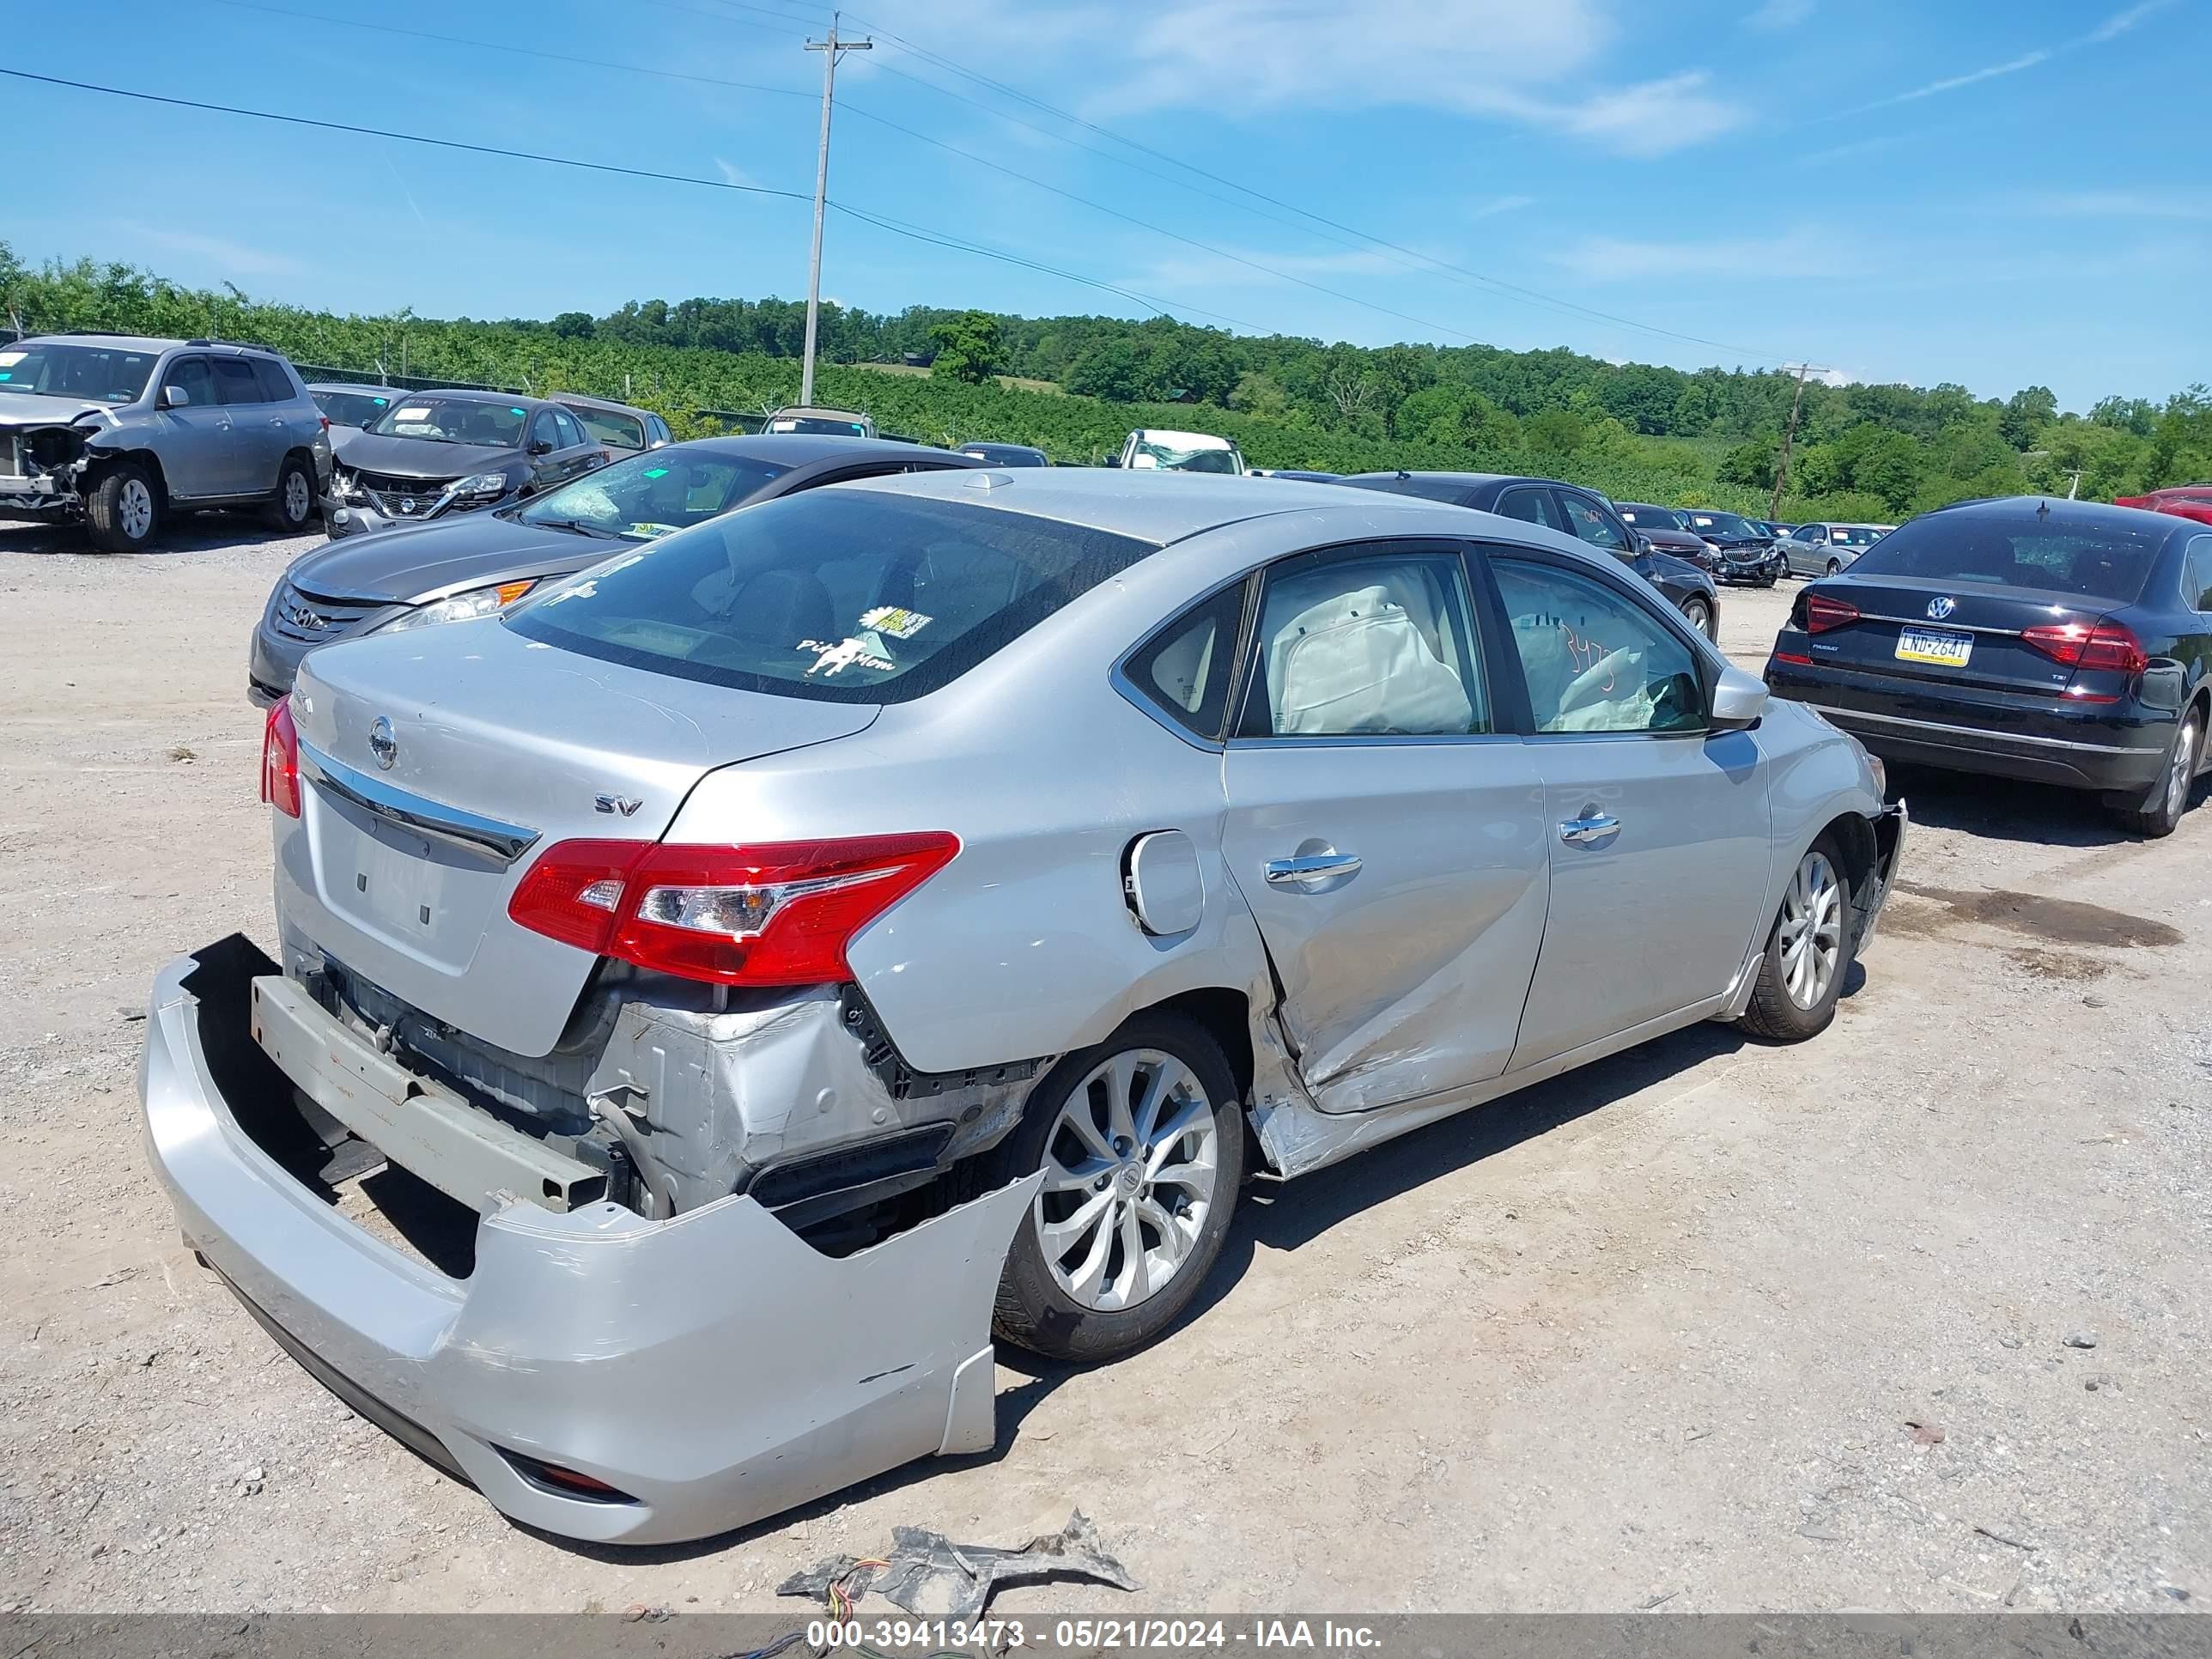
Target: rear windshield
point(2018, 550)
point(352, 408)
point(644, 497)
point(1651, 518)
point(1854, 535)
point(455, 421)
point(622, 431)
point(816, 427)
point(836, 595)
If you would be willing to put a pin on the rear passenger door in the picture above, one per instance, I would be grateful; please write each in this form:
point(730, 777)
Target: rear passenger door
point(1387, 834)
point(1657, 829)
point(257, 437)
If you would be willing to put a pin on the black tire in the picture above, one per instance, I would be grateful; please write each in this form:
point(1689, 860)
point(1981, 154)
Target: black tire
point(1034, 1310)
point(2159, 811)
point(124, 511)
point(1698, 612)
point(292, 508)
point(1775, 1013)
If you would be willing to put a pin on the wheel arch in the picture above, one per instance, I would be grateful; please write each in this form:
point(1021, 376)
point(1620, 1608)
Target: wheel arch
point(105, 461)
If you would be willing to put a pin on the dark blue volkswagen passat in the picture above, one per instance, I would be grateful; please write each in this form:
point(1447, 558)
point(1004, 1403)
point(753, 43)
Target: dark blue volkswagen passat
point(2060, 641)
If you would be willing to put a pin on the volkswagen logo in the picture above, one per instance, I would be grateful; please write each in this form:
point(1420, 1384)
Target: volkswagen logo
point(382, 744)
point(1939, 609)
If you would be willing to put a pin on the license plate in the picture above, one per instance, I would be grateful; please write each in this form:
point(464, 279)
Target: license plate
point(1935, 645)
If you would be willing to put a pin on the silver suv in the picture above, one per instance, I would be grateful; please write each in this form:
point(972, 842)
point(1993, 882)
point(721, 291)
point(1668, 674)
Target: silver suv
point(118, 430)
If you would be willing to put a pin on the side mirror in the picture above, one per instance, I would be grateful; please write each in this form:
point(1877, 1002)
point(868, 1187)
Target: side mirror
point(174, 396)
point(1739, 701)
point(539, 446)
point(1643, 541)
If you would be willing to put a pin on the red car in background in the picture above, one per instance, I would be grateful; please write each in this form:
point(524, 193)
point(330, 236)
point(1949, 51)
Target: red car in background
point(2188, 500)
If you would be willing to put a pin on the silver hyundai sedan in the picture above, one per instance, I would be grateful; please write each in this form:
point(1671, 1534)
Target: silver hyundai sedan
point(784, 955)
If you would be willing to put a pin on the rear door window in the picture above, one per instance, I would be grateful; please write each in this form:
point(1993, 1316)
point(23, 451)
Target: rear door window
point(235, 381)
point(2197, 574)
point(1531, 504)
point(2048, 552)
point(836, 595)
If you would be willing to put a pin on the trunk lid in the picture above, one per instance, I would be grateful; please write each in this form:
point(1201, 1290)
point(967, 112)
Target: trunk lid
point(427, 759)
point(1935, 621)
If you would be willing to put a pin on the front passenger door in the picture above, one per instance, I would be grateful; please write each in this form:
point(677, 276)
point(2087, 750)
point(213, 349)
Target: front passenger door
point(1388, 835)
point(1658, 831)
point(195, 453)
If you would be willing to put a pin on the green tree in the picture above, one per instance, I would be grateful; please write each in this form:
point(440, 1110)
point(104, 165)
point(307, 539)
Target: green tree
point(1115, 370)
point(574, 325)
point(969, 349)
point(1750, 464)
point(2026, 412)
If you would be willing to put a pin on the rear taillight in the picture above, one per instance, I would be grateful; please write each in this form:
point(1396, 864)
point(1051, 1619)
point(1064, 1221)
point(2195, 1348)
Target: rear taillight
point(1823, 613)
point(325, 420)
point(280, 760)
point(777, 914)
point(2108, 645)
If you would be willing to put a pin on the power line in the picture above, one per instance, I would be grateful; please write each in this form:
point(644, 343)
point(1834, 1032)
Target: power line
point(921, 138)
point(897, 227)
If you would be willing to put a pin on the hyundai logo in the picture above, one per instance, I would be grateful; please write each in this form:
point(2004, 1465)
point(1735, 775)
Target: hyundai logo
point(382, 744)
point(1939, 609)
point(299, 617)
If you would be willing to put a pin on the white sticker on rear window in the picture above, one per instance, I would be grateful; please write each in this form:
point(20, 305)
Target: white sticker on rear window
point(895, 620)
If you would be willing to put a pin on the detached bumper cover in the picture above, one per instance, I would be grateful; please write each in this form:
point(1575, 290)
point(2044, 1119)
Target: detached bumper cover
point(1890, 825)
point(713, 1368)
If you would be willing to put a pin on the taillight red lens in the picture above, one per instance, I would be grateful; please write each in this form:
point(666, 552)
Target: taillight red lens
point(778, 914)
point(280, 760)
point(1823, 613)
point(2108, 645)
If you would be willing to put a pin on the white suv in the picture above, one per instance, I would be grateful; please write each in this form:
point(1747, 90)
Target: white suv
point(116, 429)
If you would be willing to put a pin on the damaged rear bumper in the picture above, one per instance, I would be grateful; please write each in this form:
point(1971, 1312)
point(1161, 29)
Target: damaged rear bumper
point(707, 1370)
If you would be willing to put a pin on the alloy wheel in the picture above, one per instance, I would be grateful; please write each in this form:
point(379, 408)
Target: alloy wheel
point(1130, 1174)
point(134, 507)
point(1835, 567)
point(1811, 931)
point(2182, 772)
point(296, 502)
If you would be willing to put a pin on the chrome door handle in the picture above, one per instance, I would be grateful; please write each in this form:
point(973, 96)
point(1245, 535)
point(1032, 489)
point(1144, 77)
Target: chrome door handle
point(1590, 831)
point(1312, 872)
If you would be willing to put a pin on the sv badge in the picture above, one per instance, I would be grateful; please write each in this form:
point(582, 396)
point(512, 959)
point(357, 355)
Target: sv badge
point(625, 805)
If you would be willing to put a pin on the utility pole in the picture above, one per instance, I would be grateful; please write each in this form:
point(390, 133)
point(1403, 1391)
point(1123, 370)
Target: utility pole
point(830, 49)
point(1788, 436)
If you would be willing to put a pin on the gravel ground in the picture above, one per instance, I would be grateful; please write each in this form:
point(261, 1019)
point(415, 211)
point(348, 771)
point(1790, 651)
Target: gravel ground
point(1710, 1326)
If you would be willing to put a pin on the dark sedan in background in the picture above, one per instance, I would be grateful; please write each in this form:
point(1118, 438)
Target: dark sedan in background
point(1744, 549)
point(1668, 532)
point(1573, 511)
point(2059, 641)
point(419, 575)
point(618, 426)
point(436, 452)
point(1007, 454)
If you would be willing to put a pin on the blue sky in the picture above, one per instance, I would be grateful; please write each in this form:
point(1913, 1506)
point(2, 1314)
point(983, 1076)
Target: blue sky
point(1997, 194)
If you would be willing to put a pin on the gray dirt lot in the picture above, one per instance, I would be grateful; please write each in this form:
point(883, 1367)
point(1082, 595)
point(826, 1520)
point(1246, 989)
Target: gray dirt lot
point(1655, 1330)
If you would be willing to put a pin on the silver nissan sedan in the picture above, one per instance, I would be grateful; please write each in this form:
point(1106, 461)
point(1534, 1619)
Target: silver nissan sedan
point(772, 962)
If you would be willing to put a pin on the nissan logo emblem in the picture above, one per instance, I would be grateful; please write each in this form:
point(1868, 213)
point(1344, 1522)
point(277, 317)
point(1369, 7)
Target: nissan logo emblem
point(382, 744)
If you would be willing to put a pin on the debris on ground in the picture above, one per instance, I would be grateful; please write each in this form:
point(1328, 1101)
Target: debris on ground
point(2081, 1340)
point(1926, 1432)
point(929, 1576)
point(637, 1612)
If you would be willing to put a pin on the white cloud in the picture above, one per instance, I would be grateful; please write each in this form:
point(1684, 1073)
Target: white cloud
point(2120, 22)
point(2110, 29)
point(1777, 15)
point(1497, 204)
point(1538, 65)
point(732, 174)
point(1621, 259)
point(232, 256)
point(2122, 204)
point(1199, 271)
